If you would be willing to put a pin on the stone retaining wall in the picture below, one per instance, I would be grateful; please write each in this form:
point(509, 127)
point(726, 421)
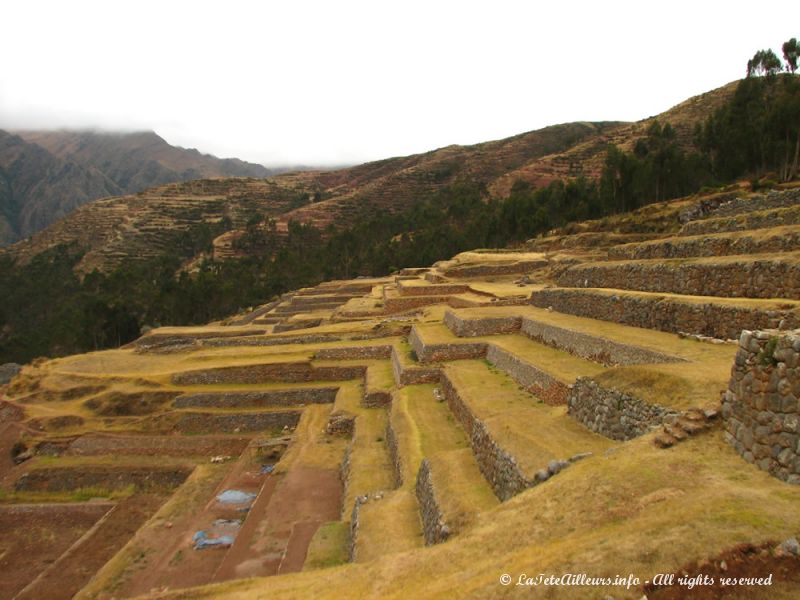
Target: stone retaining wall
point(163, 445)
point(236, 422)
point(488, 269)
point(364, 352)
point(404, 303)
point(757, 220)
point(293, 372)
point(313, 300)
point(700, 246)
point(612, 413)
point(287, 310)
point(539, 383)
point(295, 325)
point(268, 398)
point(770, 200)
point(411, 375)
point(273, 341)
point(481, 326)
point(434, 289)
point(341, 422)
point(760, 409)
point(591, 347)
point(434, 527)
point(394, 453)
point(444, 352)
point(63, 479)
point(748, 278)
point(376, 399)
point(664, 314)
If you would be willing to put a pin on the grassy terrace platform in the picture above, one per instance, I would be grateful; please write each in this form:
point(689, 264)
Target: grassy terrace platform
point(697, 382)
point(370, 469)
point(426, 428)
point(658, 341)
point(533, 433)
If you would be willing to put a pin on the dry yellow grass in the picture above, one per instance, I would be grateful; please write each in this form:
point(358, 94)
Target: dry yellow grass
point(534, 433)
point(311, 447)
point(388, 525)
point(370, 466)
point(328, 547)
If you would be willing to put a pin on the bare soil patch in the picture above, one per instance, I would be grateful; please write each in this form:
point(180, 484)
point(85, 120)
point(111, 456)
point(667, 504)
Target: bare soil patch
point(34, 536)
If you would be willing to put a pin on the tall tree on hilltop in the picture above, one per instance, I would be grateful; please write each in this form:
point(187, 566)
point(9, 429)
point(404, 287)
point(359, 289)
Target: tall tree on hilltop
point(764, 62)
point(791, 53)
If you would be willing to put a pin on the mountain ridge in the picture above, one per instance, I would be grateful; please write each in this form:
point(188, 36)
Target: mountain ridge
point(46, 175)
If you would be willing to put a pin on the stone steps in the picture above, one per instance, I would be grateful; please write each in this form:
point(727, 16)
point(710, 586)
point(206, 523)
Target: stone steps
point(690, 423)
point(731, 277)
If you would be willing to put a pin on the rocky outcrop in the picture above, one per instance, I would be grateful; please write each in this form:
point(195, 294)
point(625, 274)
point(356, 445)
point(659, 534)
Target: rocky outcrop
point(760, 409)
point(8, 371)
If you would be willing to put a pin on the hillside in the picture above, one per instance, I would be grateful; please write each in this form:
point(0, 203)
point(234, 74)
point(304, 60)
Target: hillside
point(48, 174)
point(340, 197)
point(618, 399)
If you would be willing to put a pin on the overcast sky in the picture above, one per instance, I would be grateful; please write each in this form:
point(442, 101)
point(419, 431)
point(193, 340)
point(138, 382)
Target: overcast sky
point(334, 82)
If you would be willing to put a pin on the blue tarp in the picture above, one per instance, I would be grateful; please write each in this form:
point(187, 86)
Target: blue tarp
point(235, 497)
point(201, 540)
point(267, 469)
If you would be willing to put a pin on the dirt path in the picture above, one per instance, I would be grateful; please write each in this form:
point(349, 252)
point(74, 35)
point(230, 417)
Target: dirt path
point(277, 538)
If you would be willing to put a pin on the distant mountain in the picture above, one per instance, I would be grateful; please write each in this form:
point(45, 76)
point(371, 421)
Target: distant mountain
point(38, 188)
point(45, 175)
